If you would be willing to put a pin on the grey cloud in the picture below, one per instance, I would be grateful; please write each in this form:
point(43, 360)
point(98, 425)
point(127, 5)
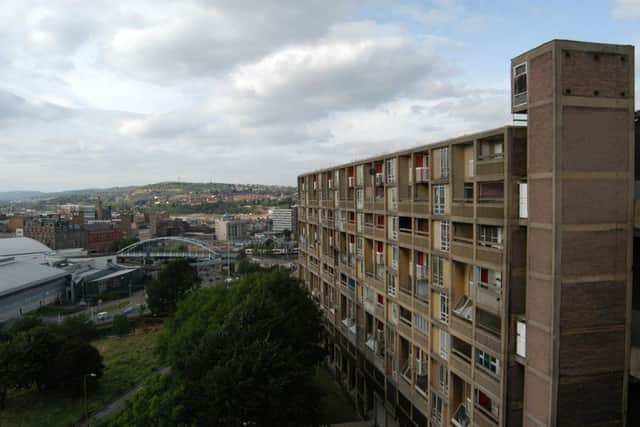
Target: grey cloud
point(203, 38)
point(13, 107)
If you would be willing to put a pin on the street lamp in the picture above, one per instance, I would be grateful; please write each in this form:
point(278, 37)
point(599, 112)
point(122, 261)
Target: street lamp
point(86, 403)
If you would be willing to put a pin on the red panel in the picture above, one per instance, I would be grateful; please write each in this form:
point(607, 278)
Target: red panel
point(380, 299)
point(419, 161)
point(378, 167)
point(484, 275)
point(420, 260)
point(380, 246)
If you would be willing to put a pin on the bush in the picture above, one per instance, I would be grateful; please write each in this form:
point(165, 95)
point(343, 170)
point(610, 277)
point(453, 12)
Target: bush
point(121, 325)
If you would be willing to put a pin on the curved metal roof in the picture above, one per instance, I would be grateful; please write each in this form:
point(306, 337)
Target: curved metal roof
point(16, 246)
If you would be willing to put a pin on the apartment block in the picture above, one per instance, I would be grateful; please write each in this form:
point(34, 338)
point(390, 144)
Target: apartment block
point(486, 280)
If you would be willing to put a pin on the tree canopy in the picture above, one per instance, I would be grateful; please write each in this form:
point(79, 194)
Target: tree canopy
point(175, 279)
point(240, 355)
point(47, 356)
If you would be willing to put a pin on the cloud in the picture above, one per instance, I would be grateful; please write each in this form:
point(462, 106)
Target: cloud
point(626, 8)
point(198, 39)
point(15, 108)
point(115, 93)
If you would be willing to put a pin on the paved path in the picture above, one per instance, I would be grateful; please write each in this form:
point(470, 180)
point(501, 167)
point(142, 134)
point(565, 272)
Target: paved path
point(118, 405)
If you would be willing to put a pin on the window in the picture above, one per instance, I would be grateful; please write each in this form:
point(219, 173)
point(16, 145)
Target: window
point(444, 308)
point(436, 407)
point(395, 254)
point(359, 198)
point(437, 270)
point(444, 236)
point(520, 84)
point(391, 171)
point(359, 175)
point(521, 338)
point(391, 285)
point(439, 199)
point(488, 362)
point(468, 191)
point(444, 344)
point(443, 378)
point(491, 235)
point(444, 162)
point(488, 279)
point(422, 226)
point(405, 223)
point(360, 223)
point(421, 323)
point(393, 230)
point(392, 197)
point(489, 192)
point(405, 315)
point(487, 404)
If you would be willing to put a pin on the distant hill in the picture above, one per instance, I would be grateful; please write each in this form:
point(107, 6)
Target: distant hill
point(16, 196)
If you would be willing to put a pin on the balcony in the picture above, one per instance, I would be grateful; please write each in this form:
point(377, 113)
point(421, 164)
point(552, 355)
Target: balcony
point(374, 346)
point(489, 254)
point(461, 327)
point(404, 206)
point(422, 241)
point(489, 340)
point(489, 297)
point(460, 364)
point(461, 417)
point(422, 290)
point(482, 419)
point(462, 207)
point(489, 166)
point(487, 381)
point(349, 329)
point(378, 233)
point(405, 237)
point(489, 208)
point(421, 377)
point(462, 247)
point(422, 175)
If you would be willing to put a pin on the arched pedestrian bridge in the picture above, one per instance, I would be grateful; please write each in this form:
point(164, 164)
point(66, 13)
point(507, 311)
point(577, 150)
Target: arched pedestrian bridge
point(171, 247)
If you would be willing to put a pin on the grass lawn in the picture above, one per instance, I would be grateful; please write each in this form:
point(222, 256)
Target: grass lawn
point(336, 408)
point(128, 361)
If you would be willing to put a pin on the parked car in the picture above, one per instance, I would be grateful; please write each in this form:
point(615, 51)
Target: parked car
point(102, 316)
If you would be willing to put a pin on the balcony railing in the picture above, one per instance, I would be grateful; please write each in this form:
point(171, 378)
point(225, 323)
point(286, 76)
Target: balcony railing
point(461, 417)
point(422, 174)
point(422, 290)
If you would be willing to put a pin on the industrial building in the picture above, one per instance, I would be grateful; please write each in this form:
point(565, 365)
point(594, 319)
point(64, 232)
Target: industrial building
point(486, 280)
point(25, 286)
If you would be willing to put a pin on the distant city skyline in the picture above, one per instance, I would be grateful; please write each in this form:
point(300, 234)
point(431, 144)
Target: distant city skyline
point(103, 94)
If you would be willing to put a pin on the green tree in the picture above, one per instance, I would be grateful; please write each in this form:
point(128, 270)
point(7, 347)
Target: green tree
point(240, 355)
point(51, 357)
point(158, 404)
point(120, 324)
point(174, 280)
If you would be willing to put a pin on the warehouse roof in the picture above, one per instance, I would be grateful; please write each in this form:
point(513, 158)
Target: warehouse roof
point(15, 246)
point(16, 275)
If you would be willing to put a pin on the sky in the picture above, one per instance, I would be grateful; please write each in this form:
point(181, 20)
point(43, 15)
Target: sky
point(108, 93)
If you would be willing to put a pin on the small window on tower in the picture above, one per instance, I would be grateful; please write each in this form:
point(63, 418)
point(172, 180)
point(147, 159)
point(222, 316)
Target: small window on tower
point(520, 84)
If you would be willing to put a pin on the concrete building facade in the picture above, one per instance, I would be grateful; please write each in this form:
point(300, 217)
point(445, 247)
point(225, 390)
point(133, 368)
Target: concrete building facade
point(284, 219)
point(486, 280)
point(232, 229)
